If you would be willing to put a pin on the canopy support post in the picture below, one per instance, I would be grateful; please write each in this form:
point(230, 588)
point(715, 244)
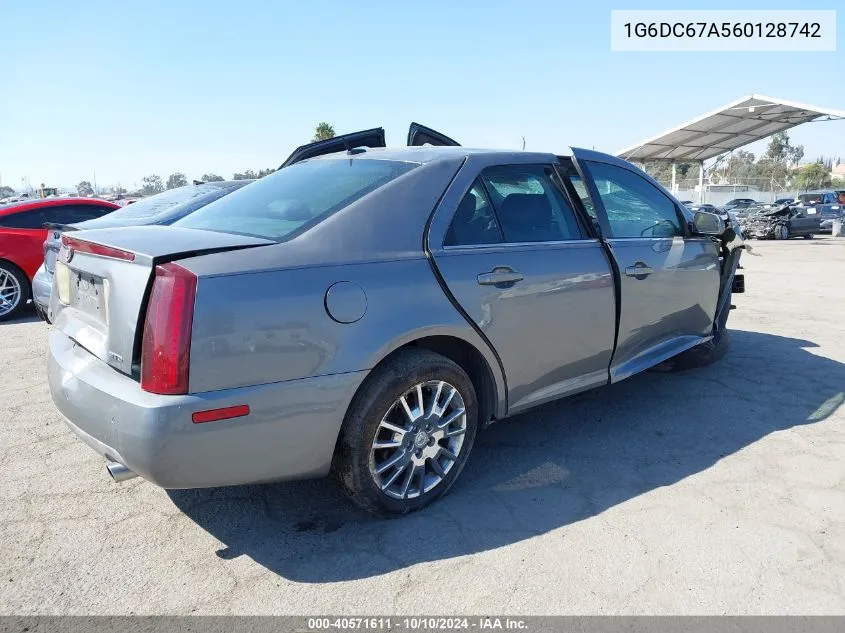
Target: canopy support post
point(674, 186)
point(701, 181)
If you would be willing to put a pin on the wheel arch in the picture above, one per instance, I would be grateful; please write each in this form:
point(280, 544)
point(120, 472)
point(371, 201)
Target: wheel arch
point(26, 290)
point(482, 368)
point(8, 262)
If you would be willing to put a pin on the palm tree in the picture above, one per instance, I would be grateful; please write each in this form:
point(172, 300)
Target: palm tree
point(322, 132)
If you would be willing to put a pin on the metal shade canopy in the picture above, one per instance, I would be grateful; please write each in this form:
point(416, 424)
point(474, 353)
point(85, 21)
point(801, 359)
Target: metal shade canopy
point(735, 125)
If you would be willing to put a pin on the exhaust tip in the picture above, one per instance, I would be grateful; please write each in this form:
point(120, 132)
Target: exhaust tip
point(119, 472)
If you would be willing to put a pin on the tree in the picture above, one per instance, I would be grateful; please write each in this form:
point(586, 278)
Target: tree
point(152, 185)
point(322, 132)
point(176, 180)
point(247, 175)
point(6, 191)
point(117, 189)
point(781, 151)
point(813, 176)
point(211, 178)
point(84, 188)
point(739, 168)
point(265, 172)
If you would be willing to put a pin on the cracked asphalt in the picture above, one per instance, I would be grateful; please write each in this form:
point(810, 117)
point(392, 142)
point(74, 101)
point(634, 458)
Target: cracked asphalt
point(719, 490)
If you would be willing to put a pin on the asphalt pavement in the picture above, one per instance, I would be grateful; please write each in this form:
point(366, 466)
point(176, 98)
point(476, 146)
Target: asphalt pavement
point(720, 490)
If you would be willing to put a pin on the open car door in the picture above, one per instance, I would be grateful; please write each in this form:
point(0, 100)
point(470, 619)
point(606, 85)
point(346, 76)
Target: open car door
point(422, 135)
point(364, 138)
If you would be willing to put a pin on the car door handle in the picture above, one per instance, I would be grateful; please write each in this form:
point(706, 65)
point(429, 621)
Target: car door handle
point(638, 270)
point(499, 276)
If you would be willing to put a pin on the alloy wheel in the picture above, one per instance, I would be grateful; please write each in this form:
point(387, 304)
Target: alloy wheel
point(10, 292)
point(419, 440)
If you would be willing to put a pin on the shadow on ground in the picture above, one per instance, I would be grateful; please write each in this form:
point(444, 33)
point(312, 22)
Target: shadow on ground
point(561, 463)
point(27, 315)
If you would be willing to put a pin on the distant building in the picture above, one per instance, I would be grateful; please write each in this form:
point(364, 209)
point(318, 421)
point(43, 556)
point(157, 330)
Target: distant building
point(838, 172)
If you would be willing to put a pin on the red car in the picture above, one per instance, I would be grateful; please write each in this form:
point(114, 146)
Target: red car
point(22, 236)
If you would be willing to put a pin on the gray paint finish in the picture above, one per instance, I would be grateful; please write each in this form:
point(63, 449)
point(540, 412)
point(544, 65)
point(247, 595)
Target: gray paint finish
point(293, 328)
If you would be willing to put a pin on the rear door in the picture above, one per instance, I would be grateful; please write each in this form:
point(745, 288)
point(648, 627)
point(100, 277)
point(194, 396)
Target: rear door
point(419, 134)
point(668, 279)
point(528, 273)
point(345, 142)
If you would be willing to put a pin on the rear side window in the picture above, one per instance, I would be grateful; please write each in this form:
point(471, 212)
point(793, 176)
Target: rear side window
point(474, 221)
point(68, 214)
point(531, 207)
point(296, 197)
point(24, 220)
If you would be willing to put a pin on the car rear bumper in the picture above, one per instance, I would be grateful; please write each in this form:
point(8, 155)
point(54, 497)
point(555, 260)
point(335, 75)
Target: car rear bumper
point(42, 285)
point(290, 432)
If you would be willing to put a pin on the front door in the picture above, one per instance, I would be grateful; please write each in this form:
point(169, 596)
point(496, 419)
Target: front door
point(532, 278)
point(668, 279)
point(419, 134)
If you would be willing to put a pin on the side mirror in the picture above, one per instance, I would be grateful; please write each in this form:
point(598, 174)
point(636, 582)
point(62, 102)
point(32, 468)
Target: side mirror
point(706, 223)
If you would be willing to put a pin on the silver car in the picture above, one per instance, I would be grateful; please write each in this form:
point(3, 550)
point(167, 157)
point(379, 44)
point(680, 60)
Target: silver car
point(367, 313)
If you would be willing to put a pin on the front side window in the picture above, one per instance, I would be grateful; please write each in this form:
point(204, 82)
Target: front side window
point(635, 207)
point(531, 208)
point(474, 221)
point(295, 197)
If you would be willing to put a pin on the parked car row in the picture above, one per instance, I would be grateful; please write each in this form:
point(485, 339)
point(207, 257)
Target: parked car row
point(22, 237)
point(805, 216)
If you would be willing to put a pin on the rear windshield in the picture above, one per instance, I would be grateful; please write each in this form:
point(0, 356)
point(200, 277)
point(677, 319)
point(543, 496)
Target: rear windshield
point(295, 198)
point(810, 198)
point(149, 210)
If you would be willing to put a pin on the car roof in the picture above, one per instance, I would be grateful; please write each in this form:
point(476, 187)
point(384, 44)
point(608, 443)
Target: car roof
point(28, 205)
point(428, 153)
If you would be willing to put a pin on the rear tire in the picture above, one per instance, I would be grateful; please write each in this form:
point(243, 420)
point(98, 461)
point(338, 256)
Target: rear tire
point(390, 462)
point(809, 236)
point(14, 291)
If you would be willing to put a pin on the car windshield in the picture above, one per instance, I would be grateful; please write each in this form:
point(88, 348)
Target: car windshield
point(295, 198)
point(810, 198)
point(148, 208)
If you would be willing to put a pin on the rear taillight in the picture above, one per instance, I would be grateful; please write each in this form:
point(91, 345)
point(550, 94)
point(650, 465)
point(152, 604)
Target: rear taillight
point(166, 344)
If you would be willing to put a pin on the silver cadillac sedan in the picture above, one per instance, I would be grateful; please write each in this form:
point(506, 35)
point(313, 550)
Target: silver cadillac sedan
point(367, 312)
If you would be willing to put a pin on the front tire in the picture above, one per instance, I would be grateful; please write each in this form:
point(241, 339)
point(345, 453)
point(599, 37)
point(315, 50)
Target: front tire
point(14, 291)
point(781, 232)
point(407, 434)
point(704, 354)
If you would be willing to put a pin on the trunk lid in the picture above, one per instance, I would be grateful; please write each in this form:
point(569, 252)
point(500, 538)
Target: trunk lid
point(102, 279)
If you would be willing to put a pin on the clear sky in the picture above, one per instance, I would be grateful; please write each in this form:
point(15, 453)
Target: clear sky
point(162, 85)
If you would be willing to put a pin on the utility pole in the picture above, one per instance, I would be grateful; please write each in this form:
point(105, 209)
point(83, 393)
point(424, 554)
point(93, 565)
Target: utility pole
point(96, 193)
point(523, 142)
